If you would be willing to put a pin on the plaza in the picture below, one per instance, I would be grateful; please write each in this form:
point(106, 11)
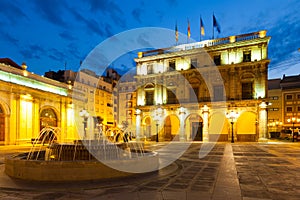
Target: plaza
point(229, 171)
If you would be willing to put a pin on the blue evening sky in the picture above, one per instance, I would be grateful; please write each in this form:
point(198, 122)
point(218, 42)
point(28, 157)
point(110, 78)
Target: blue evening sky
point(54, 34)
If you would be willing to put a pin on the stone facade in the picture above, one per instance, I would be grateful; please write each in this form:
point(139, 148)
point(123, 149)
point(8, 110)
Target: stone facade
point(187, 92)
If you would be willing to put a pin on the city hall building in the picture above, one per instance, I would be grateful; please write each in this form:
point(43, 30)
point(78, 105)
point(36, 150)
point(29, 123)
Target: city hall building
point(213, 90)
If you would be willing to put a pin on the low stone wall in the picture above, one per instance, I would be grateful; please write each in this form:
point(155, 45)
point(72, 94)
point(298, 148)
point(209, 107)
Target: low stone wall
point(38, 170)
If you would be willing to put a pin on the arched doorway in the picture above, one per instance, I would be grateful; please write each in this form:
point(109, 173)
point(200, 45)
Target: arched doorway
point(147, 127)
point(246, 127)
point(171, 127)
point(218, 127)
point(194, 126)
point(2, 124)
point(48, 118)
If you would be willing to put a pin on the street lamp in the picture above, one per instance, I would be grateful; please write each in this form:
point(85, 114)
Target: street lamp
point(232, 116)
point(85, 115)
point(293, 120)
point(157, 118)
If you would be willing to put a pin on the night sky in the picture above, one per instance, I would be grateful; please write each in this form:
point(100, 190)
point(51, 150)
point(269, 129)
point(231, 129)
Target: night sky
point(58, 34)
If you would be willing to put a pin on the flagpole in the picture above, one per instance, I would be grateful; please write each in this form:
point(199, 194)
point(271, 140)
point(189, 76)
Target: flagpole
point(200, 28)
point(213, 27)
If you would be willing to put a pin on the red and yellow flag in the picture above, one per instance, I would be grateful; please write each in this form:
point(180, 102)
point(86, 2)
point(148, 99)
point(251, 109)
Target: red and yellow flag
point(176, 32)
point(189, 30)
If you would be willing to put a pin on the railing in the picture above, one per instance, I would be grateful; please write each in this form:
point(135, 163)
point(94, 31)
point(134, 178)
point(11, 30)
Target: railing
point(206, 43)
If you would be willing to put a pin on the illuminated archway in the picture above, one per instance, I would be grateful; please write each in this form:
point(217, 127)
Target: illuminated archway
point(218, 127)
point(194, 127)
point(246, 127)
point(48, 117)
point(171, 127)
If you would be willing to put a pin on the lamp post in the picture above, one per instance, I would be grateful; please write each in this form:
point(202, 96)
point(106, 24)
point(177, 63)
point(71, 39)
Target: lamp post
point(232, 116)
point(85, 115)
point(293, 120)
point(157, 118)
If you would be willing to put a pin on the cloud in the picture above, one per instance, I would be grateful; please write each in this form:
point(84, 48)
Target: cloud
point(172, 2)
point(91, 25)
point(56, 55)
point(9, 38)
point(66, 35)
point(29, 54)
point(11, 13)
point(136, 13)
point(108, 7)
point(53, 11)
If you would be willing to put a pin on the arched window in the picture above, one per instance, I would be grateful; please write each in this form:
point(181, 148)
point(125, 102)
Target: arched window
point(48, 118)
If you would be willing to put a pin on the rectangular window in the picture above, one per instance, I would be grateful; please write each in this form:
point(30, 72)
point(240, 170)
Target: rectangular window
point(171, 95)
point(194, 63)
point(289, 97)
point(298, 109)
point(128, 96)
point(149, 97)
point(150, 69)
point(217, 60)
point(289, 109)
point(172, 66)
point(247, 56)
point(247, 90)
point(218, 93)
point(298, 96)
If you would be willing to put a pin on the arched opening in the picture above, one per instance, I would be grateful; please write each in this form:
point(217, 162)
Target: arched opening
point(147, 127)
point(2, 124)
point(48, 118)
point(246, 127)
point(218, 127)
point(194, 127)
point(171, 127)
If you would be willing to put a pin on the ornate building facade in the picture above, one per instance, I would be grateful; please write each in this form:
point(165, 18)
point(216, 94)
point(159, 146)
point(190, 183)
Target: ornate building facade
point(29, 102)
point(213, 90)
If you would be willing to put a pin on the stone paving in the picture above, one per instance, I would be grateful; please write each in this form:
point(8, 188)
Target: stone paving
point(248, 171)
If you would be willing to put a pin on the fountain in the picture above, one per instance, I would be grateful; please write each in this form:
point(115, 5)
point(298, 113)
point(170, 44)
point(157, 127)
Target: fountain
point(81, 160)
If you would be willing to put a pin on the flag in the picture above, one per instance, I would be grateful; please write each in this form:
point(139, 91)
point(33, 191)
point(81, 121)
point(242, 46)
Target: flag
point(176, 32)
point(201, 27)
point(189, 30)
point(216, 24)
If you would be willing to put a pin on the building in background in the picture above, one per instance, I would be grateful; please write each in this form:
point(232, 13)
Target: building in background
point(29, 102)
point(284, 112)
point(184, 92)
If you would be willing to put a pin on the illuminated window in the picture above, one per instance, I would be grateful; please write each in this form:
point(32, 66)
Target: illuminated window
point(247, 90)
point(217, 60)
point(289, 109)
point(247, 56)
point(172, 96)
point(172, 66)
point(274, 98)
point(149, 94)
point(150, 69)
point(128, 96)
point(289, 97)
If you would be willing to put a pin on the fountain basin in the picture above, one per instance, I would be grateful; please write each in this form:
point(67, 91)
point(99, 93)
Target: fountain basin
point(78, 170)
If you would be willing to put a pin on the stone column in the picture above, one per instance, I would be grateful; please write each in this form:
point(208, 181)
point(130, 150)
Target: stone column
point(138, 124)
point(205, 111)
point(182, 136)
point(263, 119)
